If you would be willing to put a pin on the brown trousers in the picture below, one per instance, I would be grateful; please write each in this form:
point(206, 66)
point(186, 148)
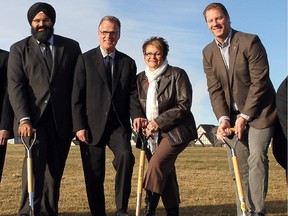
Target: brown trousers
point(161, 175)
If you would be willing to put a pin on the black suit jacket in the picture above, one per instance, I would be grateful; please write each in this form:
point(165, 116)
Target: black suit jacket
point(279, 146)
point(6, 113)
point(30, 87)
point(92, 99)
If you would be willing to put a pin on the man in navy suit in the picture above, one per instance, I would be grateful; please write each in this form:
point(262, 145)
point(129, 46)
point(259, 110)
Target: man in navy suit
point(6, 113)
point(40, 78)
point(104, 98)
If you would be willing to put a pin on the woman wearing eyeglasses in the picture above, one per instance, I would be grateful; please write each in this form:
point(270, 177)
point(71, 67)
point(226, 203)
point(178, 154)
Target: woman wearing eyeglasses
point(165, 94)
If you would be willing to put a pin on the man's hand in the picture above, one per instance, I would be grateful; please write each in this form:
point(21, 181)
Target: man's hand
point(82, 135)
point(4, 136)
point(240, 125)
point(25, 128)
point(223, 129)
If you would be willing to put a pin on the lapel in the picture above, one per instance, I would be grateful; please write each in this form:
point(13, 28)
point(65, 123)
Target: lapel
point(58, 48)
point(165, 80)
point(144, 84)
point(232, 55)
point(37, 56)
point(219, 63)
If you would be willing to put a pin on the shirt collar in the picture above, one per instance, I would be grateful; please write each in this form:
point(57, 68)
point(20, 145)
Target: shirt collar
point(226, 42)
point(104, 54)
point(51, 40)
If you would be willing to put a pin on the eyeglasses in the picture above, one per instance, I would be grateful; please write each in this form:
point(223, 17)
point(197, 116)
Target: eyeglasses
point(107, 33)
point(45, 20)
point(149, 55)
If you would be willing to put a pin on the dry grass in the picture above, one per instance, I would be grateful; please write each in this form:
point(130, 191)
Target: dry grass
point(204, 180)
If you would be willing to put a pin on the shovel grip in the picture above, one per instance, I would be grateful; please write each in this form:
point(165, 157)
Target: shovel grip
point(140, 182)
point(30, 175)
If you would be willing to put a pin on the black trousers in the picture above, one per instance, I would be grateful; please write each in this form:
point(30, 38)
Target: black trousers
point(49, 156)
point(2, 158)
point(93, 159)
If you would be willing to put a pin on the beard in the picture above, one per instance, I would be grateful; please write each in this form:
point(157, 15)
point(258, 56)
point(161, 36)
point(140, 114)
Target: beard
point(42, 36)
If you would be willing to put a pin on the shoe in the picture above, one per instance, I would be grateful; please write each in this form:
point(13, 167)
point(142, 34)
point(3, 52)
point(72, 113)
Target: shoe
point(173, 211)
point(122, 212)
point(151, 201)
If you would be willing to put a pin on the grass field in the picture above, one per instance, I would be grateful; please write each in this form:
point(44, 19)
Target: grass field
point(205, 184)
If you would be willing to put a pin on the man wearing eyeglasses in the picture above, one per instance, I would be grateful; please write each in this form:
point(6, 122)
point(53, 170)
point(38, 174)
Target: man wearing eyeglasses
point(103, 101)
point(40, 78)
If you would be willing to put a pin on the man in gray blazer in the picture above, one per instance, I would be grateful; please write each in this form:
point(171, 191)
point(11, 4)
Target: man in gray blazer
point(40, 78)
point(242, 96)
point(104, 98)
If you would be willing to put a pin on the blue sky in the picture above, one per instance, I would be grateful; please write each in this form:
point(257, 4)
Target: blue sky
point(180, 22)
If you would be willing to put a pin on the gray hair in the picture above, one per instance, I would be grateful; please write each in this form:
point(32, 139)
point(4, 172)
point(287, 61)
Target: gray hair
point(112, 19)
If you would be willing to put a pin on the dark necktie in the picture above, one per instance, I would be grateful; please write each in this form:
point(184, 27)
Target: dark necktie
point(108, 70)
point(48, 56)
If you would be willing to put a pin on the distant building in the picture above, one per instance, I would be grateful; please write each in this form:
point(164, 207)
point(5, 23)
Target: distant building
point(206, 136)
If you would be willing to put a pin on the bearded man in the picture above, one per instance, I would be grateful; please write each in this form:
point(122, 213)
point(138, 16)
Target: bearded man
point(40, 77)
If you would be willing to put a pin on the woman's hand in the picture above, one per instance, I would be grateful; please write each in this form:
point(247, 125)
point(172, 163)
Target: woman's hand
point(151, 128)
point(139, 123)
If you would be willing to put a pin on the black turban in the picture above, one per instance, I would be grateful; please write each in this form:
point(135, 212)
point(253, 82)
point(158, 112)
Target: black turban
point(38, 7)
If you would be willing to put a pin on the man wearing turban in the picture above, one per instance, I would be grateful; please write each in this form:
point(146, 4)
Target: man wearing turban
point(40, 75)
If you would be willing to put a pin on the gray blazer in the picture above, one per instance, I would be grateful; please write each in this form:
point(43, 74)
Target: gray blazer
point(247, 81)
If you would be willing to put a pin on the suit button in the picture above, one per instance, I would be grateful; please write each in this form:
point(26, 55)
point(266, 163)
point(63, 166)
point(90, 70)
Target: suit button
point(46, 101)
point(106, 113)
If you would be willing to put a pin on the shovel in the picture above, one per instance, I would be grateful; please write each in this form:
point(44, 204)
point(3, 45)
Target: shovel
point(141, 143)
point(28, 146)
point(237, 173)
